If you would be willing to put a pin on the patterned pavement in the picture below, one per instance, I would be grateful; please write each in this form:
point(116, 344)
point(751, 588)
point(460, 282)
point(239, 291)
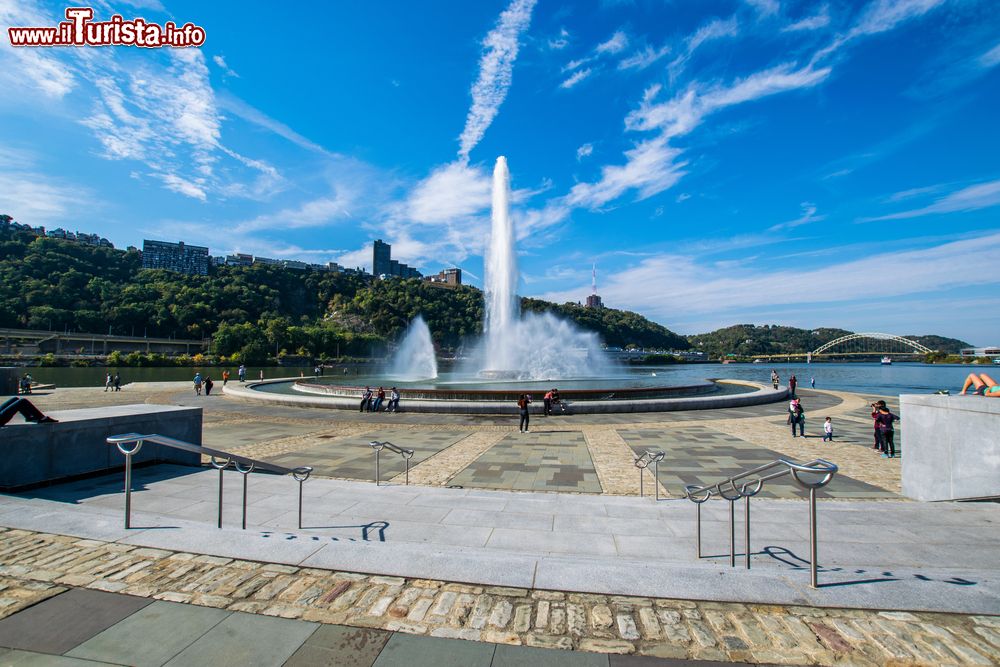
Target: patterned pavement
point(540, 461)
point(697, 454)
point(352, 458)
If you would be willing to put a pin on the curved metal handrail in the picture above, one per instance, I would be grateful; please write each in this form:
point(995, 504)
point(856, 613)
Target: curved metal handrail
point(242, 464)
point(407, 454)
point(650, 457)
point(749, 483)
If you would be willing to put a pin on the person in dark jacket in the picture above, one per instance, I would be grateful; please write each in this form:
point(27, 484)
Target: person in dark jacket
point(522, 406)
point(887, 433)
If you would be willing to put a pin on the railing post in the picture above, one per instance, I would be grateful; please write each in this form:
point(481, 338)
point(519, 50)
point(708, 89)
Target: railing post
point(128, 478)
point(698, 506)
point(641, 470)
point(746, 530)
point(300, 475)
point(377, 476)
point(246, 473)
point(128, 491)
point(656, 478)
point(732, 533)
point(812, 538)
point(407, 459)
point(220, 468)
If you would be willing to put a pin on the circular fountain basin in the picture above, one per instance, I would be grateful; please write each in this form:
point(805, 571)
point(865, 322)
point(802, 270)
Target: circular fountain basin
point(463, 394)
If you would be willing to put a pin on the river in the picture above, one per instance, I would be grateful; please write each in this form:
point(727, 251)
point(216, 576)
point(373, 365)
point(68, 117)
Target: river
point(864, 378)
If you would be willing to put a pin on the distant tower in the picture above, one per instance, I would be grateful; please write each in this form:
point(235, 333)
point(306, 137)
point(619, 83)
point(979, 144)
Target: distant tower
point(594, 301)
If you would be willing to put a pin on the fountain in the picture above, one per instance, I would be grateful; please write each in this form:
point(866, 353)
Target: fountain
point(535, 346)
point(517, 353)
point(415, 358)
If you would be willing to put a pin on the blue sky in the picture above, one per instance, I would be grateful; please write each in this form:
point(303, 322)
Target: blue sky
point(769, 162)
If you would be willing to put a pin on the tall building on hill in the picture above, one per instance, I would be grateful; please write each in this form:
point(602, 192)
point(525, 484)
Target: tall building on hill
point(446, 278)
point(191, 259)
point(384, 266)
point(594, 301)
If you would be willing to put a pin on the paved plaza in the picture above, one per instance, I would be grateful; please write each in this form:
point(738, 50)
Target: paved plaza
point(507, 548)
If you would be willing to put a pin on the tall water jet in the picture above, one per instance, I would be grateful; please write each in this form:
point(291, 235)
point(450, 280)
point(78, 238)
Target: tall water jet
point(415, 358)
point(537, 347)
point(502, 307)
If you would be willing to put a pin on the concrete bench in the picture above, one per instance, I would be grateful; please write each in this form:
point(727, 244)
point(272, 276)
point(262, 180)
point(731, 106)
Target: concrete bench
point(34, 454)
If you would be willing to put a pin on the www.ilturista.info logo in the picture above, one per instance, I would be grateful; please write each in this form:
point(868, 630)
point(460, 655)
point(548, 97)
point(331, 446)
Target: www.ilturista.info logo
point(80, 30)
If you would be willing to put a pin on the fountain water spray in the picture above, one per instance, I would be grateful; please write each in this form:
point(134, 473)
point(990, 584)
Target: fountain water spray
point(415, 359)
point(538, 347)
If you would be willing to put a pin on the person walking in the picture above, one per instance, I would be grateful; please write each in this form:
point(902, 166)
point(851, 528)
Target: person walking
point(197, 384)
point(828, 430)
point(108, 382)
point(522, 406)
point(262, 375)
point(393, 401)
point(792, 384)
point(774, 379)
point(225, 377)
point(208, 385)
point(883, 421)
point(242, 372)
point(379, 398)
point(797, 417)
point(812, 382)
point(118, 382)
point(366, 399)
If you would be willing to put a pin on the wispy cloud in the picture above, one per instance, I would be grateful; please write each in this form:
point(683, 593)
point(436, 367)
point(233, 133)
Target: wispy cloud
point(808, 215)
point(450, 194)
point(821, 19)
point(971, 198)
point(220, 61)
point(991, 58)
point(560, 42)
point(238, 107)
point(877, 17)
point(576, 78)
point(653, 165)
point(584, 151)
point(715, 29)
point(765, 7)
point(35, 199)
point(318, 212)
point(495, 73)
point(615, 44)
point(725, 293)
point(642, 59)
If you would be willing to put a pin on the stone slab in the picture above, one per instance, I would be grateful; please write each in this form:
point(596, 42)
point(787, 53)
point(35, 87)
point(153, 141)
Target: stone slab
point(952, 447)
point(151, 636)
point(29, 659)
point(527, 656)
point(340, 646)
point(62, 622)
point(246, 639)
point(415, 651)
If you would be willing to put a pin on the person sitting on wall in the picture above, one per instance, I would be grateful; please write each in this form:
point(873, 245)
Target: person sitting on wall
point(14, 405)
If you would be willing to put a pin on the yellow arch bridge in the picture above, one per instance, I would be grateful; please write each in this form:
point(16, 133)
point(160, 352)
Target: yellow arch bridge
point(859, 345)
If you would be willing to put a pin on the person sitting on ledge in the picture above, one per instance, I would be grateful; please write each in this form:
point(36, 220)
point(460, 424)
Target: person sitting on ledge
point(27, 409)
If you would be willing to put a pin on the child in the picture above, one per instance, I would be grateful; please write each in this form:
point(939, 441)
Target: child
point(828, 430)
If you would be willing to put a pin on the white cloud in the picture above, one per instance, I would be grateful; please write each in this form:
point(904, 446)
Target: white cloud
point(250, 114)
point(702, 288)
point(615, 44)
point(560, 42)
point(971, 198)
point(576, 78)
point(37, 69)
point(183, 186)
point(451, 193)
point(715, 29)
point(653, 166)
point(584, 151)
point(35, 199)
point(991, 58)
point(495, 73)
point(640, 60)
point(877, 17)
point(765, 7)
point(819, 20)
point(227, 70)
point(808, 216)
point(317, 212)
point(682, 197)
point(573, 64)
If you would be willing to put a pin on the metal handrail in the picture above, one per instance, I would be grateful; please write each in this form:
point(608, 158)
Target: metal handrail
point(407, 454)
point(647, 458)
point(748, 484)
point(242, 464)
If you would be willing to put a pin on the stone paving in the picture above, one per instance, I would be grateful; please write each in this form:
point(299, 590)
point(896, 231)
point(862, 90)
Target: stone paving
point(36, 566)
